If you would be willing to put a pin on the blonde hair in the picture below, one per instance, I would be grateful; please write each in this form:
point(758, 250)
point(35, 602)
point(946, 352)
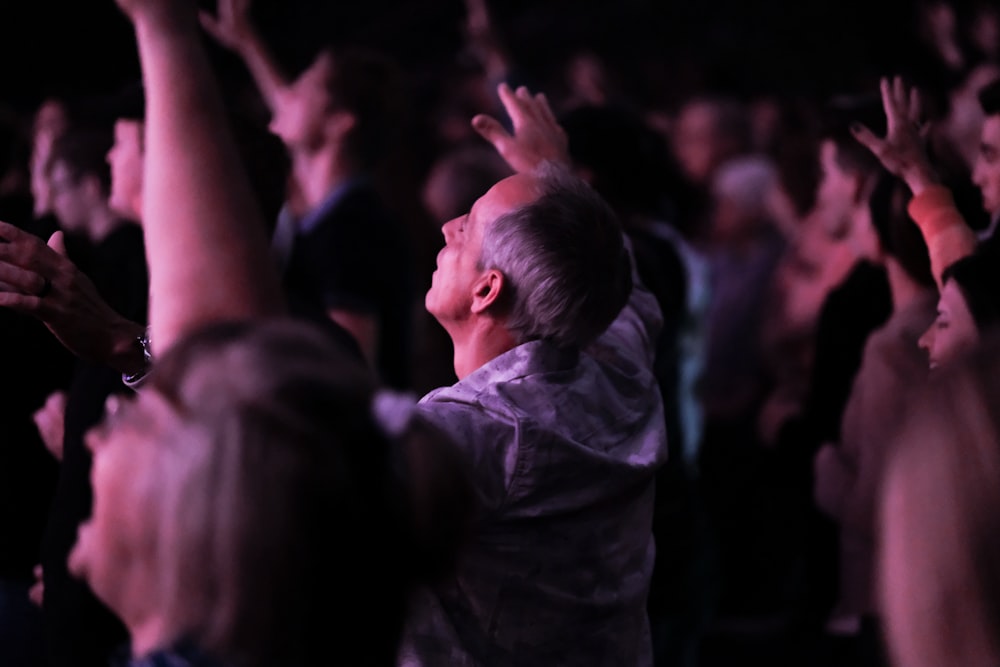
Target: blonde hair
point(940, 559)
point(286, 525)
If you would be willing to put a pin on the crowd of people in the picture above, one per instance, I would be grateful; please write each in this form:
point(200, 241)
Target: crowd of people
point(691, 379)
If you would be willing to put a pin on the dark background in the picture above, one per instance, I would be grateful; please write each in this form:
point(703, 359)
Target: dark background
point(85, 46)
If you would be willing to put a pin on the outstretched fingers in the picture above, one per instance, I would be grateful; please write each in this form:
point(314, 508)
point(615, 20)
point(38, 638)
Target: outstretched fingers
point(490, 129)
point(514, 103)
point(888, 104)
point(867, 138)
point(537, 136)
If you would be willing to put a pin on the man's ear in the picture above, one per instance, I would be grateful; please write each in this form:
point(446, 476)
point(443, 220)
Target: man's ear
point(487, 290)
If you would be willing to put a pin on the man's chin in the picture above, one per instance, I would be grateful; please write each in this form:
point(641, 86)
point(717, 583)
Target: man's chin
point(78, 559)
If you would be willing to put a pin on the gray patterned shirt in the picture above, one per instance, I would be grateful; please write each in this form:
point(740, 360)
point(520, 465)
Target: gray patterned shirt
point(563, 448)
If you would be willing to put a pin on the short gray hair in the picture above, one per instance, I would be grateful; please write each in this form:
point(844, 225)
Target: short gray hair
point(564, 260)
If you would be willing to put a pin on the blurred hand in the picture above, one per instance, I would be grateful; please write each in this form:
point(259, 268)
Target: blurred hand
point(537, 137)
point(230, 25)
point(39, 280)
point(901, 151)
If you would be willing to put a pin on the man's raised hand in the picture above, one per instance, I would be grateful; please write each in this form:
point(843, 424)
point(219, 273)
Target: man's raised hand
point(537, 136)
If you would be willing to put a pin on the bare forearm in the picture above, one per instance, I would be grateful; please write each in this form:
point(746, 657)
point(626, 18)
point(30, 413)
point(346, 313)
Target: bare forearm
point(205, 238)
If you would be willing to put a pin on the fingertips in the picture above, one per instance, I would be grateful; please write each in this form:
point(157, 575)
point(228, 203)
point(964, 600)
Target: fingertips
point(489, 128)
point(482, 123)
point(863, 135)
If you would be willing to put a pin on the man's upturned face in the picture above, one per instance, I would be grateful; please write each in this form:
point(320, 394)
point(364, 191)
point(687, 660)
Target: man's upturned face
point(452, 286)
point(125, 158)
point(986, 172)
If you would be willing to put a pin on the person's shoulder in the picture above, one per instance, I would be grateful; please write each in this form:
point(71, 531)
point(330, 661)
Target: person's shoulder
point(468, 409)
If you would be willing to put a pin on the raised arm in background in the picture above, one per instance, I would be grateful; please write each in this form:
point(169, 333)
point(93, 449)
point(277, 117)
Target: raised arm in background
point(232, 27)
point(902, 153)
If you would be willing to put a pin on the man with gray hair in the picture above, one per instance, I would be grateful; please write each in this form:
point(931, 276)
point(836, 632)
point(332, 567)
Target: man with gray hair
point(558, 413)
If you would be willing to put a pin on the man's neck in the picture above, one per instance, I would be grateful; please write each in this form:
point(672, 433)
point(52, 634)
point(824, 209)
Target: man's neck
point(319, 172)
point(477, 343)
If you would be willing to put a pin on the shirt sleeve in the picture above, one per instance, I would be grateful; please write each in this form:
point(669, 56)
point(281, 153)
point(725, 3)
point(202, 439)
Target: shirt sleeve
point(947, 235)
point(487, 442)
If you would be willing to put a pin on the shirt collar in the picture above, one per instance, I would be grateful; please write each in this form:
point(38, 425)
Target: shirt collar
point(531, 358)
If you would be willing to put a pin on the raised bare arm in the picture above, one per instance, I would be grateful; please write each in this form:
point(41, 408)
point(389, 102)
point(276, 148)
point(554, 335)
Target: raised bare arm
point(205, 236)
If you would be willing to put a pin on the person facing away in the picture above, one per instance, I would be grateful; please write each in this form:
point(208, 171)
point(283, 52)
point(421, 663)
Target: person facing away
point(558, 413)
point(339, 249)
point(938, 536)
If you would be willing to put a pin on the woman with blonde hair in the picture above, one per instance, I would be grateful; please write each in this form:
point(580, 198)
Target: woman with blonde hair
point(251, 508)
point(940, 555)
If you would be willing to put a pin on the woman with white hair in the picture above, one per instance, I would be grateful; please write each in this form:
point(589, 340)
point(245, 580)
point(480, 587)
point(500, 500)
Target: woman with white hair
point(940, 537)
point(250, 509)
